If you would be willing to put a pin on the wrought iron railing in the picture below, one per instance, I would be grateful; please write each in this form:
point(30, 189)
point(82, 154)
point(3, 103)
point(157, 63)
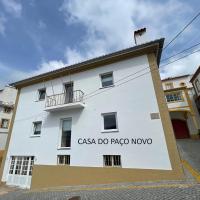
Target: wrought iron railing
point(64, 98)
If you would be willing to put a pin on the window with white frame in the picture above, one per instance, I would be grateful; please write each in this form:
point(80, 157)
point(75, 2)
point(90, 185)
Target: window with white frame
point(110, 121)
point(63, 159)
point(41, 94)
point(174, 97)
point(112, 160)
point(21, 165)
point(4, 123)
point(37, 126)
point(66, 133)
point(107, 79)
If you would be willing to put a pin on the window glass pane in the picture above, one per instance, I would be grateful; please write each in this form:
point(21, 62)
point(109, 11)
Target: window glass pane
point(42, 94)
point(110, 121)
point(66, 133)
point(107, 80)
point(4, 123)
point(37, 128)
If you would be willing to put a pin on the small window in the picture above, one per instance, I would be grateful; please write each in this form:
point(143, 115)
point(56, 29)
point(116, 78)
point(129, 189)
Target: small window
point(41, 94)
point(109, 120)
point(37, 128)
point(7, 110)
point(112, 160)
point(107, 79)
point(182, 84)
point(4, 123)
point(169, 86)
point(197, 84)
point(63, 159)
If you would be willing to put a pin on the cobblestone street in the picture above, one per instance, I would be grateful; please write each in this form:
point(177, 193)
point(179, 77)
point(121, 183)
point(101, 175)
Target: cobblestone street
point(178, 192)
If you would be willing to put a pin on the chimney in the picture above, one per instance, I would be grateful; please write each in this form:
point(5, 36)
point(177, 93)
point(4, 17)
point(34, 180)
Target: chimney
point(140, 36)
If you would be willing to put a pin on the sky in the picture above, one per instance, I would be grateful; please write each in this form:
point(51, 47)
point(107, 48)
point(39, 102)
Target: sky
point(40, 36)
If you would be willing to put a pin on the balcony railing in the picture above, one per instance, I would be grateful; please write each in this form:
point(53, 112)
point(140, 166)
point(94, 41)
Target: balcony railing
point(64, 98)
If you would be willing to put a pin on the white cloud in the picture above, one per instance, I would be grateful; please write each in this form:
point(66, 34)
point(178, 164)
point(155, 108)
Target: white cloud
point(12, 75)
point(110, 25)
point(187, 65)
point(2, 25)
point(13, 7)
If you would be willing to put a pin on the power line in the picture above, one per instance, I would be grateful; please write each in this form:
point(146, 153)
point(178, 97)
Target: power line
point(182, 30)
point(191, 47)
point(180, 58)
point(141, 75)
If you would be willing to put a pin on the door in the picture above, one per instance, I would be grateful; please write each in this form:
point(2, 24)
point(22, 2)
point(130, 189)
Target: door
point(180, 129)
point(69, 92)
point(20, 171)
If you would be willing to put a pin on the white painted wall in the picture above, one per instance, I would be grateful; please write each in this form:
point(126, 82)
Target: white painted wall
point(133, 102)
point(7, 95)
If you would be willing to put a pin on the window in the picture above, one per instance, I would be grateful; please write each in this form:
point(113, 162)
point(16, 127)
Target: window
point(7, 110)
point(63, 160)
point(174, 97)
point(21, 165)
point(66, 133)
point(41, 94)
point(112, 161)
point(169, 86)
point(197, 84)
point(109, 121)
point(4, 123)
point(182, 84)
point(107, 79)
point(37, 128)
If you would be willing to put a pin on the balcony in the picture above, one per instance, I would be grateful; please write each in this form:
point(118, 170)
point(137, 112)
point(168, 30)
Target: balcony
point(64, 101)
point(177, 99)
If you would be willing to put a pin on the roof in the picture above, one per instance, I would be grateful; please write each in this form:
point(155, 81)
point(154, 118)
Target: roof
point(195, 74)
point(149, 47)
point(175, 77)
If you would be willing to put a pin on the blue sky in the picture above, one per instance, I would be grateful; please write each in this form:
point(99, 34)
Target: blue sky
point(39, 36)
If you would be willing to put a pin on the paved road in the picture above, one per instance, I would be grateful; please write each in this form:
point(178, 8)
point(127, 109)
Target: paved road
point(190, 151)
point(189, 192)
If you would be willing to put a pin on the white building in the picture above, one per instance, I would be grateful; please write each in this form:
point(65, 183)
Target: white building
point(104, 120)
point(195, 81)
point(7, 101)
point(179, 94)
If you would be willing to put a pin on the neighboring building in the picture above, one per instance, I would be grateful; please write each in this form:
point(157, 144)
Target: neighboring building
point(7, 101)
point(104, 120)
point(183, 111)
point(195, 80)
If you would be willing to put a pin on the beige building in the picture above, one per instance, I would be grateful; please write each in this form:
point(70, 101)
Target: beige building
point(7, 101)
point(195, 81)
point(179, 94)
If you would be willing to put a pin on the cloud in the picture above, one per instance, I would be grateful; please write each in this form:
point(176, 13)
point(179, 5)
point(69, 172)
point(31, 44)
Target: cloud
point(187, 65)
point(2, 25)
point(13, 7)
point(12, 75)
point(110, 25)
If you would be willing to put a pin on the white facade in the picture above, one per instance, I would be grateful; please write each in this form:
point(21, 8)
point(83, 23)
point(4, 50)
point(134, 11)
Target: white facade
point(133, 102)
point(7, 100)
